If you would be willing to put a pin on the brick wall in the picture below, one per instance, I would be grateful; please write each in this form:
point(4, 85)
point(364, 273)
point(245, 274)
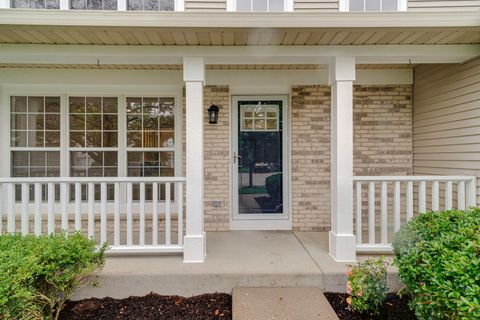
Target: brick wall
point(382, 144)
point(217, 160)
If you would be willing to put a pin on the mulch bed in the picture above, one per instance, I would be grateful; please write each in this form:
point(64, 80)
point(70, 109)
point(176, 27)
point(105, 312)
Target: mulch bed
point(394, 308)
point(151, 307)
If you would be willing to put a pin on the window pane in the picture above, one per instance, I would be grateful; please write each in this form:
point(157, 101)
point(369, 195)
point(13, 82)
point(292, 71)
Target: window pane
point(389, 5)
point(150, 5)
point(78, 4)
point(357, 5)
point(35, 104)
point(244, 5)
point(372, 5)
point(167, 5)
point(135, 5)
point(18, 104)
point(260, 5)
point(35, 163)
point(52, 104)
point(53, 4)
point(36, 4)
point(18, 122)
point(276, 5)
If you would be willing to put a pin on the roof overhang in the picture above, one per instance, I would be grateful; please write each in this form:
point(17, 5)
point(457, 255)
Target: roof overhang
point(237, 29)
point(239, 20)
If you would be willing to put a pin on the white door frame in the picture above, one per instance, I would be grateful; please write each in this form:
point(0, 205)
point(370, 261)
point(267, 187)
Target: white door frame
point(261, 221)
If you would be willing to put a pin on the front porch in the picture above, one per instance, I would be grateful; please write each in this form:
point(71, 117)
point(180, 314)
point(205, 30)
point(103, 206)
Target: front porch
point(234, 259)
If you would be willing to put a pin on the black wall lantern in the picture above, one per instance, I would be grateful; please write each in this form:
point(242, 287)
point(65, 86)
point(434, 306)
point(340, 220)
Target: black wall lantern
point(213, 114)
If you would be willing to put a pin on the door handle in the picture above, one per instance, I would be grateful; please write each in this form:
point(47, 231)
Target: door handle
point(236, 157)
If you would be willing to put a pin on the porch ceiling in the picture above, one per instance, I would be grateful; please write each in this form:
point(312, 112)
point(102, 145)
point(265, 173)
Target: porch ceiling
point(234, 29)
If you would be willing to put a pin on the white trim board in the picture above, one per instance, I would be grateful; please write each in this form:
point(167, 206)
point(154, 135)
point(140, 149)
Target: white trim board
point(434, 19)
point(107, 54)
point(137, 82)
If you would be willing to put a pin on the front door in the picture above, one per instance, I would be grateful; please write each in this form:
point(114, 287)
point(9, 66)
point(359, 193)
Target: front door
point(260, 181)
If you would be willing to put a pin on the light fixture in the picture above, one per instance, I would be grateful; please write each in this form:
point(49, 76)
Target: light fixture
point(213, 114)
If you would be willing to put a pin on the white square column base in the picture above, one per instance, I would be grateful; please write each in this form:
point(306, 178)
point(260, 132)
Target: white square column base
point(342, 248)
point(194, 248)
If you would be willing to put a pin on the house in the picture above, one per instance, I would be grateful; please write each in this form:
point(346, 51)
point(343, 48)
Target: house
point(148, 123)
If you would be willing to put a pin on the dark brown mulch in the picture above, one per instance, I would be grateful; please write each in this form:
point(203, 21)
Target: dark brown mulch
point(394, 308)
point(151, 307)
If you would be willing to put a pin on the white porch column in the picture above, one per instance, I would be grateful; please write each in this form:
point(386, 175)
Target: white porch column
point(194, 240)
point(342, 239)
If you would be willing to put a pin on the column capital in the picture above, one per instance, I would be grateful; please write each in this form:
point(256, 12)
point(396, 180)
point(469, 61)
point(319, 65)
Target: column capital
point(194, 69)
point(342, 69)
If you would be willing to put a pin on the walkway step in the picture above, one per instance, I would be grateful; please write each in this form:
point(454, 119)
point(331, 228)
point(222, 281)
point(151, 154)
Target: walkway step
point(281, 304)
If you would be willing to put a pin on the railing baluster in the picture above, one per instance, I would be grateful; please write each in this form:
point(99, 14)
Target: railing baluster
point(396, 207)
point(461, 195)
point(10, 208)
point(371, 212)
point(51, 209)
point(37, 213)
point(422, 197)
point(116, 216)
point(448, 195)
point(384, 214)
point(103, 212)
point(129, 215)
point(78, 206)
point(64, 204)
point(25, 200)
point(91, 208)
point(154, 213)
point(179, 196)
point(168, 240)
point(142, 213)
point(409, 200)
point(358, 211)
point(435, 196)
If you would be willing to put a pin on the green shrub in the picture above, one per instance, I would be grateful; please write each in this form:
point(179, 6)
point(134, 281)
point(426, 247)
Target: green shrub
point(438, 259)
point(367, 285)
point(274, 186)
point(38, 274)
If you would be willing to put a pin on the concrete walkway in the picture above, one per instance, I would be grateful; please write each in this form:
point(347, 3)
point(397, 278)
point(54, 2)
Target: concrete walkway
point(281, 304)
point(234, 259)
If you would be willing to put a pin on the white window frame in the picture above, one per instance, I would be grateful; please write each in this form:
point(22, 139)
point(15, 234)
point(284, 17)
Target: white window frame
point(232, 6)
point(344, 6)
point(5, 115)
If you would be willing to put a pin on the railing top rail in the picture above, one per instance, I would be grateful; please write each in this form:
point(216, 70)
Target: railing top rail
point(93, 179)
point(413, 178)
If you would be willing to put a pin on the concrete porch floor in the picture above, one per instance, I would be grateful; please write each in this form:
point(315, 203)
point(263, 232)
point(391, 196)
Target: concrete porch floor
point(234, 259)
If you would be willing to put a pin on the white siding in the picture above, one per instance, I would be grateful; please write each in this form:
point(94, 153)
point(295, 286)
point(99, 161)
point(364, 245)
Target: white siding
point(205, 5)
point(446, 119)
point(316, 5)
point(443, 5)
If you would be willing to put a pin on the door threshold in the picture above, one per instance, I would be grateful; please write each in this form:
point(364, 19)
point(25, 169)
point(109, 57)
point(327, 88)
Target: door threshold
point(253, 224)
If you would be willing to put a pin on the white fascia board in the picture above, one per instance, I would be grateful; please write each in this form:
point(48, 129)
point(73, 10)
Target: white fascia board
point(238, 19)
point(376, 54)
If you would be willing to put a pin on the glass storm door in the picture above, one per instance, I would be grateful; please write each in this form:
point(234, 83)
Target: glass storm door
point(259, 158)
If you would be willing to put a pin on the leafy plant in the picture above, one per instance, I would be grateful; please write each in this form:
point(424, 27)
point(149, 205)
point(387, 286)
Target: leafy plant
point(438, 259)
point(274, 186)
point(367, 285)
point(40, 273)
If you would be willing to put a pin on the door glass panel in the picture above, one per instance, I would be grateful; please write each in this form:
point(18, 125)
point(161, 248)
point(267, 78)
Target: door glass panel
point(260, 163)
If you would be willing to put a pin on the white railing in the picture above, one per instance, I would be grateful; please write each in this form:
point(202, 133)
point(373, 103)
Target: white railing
point(131, 214)
point(387, 202)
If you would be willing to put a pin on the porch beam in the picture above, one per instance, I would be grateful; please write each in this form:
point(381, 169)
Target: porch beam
point(342, 242)
point(108, 54)
point(194, 240)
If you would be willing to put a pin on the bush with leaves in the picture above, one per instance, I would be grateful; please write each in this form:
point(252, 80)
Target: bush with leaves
point(367, 285)
point(438, 259)
point(40, 273)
